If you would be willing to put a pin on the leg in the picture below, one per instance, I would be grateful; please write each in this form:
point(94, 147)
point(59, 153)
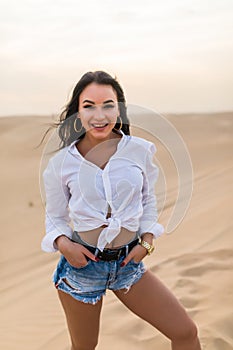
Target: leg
point(154, 303)
point(82, 320)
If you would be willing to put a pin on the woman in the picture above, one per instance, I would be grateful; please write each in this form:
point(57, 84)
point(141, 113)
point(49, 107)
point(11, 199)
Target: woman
point(102, 181)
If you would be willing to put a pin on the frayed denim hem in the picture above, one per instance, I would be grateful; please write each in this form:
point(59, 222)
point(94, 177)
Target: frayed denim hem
point(89, 283)
point(75, 295)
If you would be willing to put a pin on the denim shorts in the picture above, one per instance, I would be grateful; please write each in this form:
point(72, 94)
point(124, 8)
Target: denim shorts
point(89, 283)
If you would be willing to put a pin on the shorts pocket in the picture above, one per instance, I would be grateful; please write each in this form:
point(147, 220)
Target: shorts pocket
point(81, 267)
point(81, 280)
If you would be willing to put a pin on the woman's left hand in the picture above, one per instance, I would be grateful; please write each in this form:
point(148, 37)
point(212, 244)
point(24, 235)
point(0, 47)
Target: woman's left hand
point(136, 254)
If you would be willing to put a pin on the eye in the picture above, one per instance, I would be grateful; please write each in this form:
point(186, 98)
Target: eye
point(88, 106)
point(108, 106)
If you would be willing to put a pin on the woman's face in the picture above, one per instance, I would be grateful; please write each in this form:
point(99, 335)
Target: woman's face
point(98, 110)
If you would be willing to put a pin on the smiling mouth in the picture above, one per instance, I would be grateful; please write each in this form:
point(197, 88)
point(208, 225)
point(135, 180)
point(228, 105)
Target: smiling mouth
point(99, 126)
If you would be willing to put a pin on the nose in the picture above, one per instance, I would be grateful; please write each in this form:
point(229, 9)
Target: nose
point(99, 113)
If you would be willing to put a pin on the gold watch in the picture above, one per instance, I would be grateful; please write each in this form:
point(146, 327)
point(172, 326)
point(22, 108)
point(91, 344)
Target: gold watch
point(150, 248)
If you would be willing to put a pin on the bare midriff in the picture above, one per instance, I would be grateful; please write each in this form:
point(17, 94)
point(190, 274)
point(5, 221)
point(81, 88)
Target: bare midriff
point(91, 237)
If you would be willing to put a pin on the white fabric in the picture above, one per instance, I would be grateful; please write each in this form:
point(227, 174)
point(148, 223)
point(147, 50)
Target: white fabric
point(78, 192)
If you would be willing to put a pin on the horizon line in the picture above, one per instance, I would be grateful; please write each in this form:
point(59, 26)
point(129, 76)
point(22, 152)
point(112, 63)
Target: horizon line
point(159, 112)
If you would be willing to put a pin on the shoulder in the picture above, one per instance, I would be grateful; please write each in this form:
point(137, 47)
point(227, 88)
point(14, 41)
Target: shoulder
point(56, 161)
point(143, 144)
point(60, 155)
point(137, 151)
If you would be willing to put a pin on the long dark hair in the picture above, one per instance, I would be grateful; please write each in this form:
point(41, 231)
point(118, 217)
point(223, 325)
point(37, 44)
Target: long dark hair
point(66, 131)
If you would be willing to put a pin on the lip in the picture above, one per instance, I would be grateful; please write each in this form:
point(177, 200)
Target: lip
point(99, 128)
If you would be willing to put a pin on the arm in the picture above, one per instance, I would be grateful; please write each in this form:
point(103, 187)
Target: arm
point(57, 221)
point(149, 227)
point(57, 215)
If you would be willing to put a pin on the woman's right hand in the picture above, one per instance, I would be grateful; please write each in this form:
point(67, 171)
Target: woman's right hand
point(74, 253)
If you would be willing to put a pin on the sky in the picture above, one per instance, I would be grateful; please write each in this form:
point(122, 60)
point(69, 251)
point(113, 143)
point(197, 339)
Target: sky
point(172, 56)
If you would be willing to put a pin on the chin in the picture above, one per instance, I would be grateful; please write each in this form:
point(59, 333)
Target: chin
point(100, 133)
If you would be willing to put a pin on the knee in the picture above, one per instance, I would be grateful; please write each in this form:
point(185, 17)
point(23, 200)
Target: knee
point(187, 333)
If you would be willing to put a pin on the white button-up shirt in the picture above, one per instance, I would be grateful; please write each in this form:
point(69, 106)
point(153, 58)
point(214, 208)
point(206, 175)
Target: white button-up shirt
point(79, 193)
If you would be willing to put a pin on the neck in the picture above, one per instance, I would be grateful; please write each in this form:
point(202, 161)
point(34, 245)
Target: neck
point(94, 142)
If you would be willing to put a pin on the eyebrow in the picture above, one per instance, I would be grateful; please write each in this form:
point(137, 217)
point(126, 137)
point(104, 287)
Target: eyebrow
point(94, 102)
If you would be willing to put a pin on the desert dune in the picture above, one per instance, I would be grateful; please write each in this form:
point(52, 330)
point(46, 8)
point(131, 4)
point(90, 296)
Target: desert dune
point(195, 261)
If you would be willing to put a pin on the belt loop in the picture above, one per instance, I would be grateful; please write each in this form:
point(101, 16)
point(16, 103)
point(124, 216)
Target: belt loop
point(96, 252)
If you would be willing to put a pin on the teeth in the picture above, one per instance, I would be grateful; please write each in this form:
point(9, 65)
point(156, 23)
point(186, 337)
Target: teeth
point(98, 125)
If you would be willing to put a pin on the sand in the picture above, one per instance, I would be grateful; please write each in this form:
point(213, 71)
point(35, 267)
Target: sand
point(195, 261)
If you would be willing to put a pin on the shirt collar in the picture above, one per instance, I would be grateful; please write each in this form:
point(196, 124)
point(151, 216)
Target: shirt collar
point(73, 149)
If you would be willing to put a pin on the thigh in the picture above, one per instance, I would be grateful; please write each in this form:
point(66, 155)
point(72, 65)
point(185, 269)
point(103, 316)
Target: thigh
point(82, 319)
point(152, 301)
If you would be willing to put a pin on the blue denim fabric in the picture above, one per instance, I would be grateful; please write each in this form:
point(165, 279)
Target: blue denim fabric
point(89, 283)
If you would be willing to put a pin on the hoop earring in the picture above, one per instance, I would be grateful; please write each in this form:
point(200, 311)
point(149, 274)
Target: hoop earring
point(120, 123)
point(75, 126)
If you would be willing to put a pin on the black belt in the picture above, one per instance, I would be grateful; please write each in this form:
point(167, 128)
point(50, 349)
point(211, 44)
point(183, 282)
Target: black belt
point(112, 254)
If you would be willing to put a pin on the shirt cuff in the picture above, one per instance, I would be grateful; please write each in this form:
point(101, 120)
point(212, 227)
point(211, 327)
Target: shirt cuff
point(156, 229)
point(48, 245)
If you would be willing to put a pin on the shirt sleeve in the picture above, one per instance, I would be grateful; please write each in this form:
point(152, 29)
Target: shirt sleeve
point(148, 220)
point(57, 221)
